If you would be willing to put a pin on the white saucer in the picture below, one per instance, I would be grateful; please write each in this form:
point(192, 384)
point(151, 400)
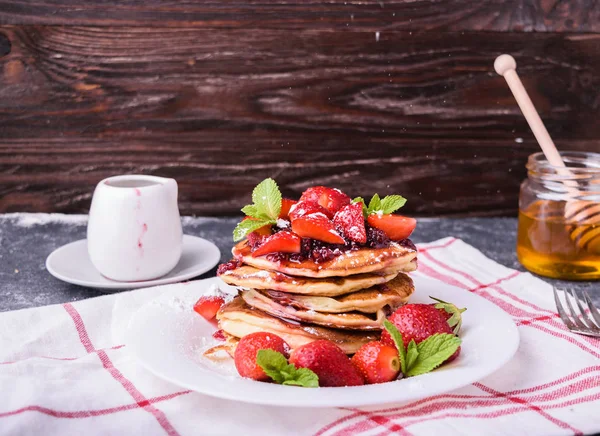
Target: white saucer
point(71, 263)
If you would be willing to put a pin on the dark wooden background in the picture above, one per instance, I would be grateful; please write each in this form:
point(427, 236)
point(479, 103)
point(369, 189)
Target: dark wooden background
point(369, 96)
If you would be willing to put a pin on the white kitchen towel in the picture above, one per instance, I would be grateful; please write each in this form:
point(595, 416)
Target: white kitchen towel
point(64, 372)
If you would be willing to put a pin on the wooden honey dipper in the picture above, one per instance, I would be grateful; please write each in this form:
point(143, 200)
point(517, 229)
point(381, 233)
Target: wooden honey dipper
point(586, 234)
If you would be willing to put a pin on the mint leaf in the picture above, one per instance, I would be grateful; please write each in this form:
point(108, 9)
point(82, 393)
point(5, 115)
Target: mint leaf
point(411, 354)
point(397, 338)
point(248, 226)
point(392, 203)
point(267, 199)
point(272, 363)
point(432, 352)
point(374, 204)
point(303, 377)
point(252, 211)
point(455, 321)
point(275, 365)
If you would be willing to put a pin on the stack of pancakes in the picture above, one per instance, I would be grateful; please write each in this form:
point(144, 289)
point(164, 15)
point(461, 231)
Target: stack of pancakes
point(344, 300)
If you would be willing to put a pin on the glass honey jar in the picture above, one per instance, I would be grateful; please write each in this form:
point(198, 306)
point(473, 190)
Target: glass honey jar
point(559, 217)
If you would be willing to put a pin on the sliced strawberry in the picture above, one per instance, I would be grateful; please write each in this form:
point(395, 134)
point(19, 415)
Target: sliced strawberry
point(302, 208)
point(282, 242)
point(262, 231)
point(286, 205)
point(352, 222)
point(377, 362)
point(396, 227)
point(331, 199)
point(317, 226)
point(208, 306)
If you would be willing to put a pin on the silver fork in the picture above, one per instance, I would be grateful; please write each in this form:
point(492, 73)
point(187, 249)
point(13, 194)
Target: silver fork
point(578, 321)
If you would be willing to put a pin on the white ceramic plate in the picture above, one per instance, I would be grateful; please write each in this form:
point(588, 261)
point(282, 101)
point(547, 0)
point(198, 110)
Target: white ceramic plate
point(168, 338)
point(71, 263)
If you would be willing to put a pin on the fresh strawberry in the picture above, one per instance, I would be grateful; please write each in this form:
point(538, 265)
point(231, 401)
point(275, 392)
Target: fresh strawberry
point(303, 208)
point(451, 313)
point(281, 242)
point(208, 306)
point(317, 226)
point(352, 222)
point(396, 227)
point(286, 205)
point(245, 353)
point(418, 322)
point(331, 199)
point(262, 231)
point(377, 362)
point(329, 362)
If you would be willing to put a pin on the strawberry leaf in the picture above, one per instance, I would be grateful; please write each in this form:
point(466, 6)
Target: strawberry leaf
point(248, 226)
point(397, 338)
point(276, 366)
point(455, 321)
point(433, 351)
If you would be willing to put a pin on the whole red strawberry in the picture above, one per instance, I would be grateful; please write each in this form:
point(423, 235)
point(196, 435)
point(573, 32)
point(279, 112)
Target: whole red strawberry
point(245, 353)
point(377, 362)
point(418, 322)
point(329, 362)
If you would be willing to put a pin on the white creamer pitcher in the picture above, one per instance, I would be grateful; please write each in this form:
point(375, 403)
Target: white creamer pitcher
point(134, 230)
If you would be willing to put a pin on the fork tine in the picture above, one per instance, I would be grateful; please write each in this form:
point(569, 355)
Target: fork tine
point(585, 317)
point(561, 311)
point(574, 314)
point(592, 308)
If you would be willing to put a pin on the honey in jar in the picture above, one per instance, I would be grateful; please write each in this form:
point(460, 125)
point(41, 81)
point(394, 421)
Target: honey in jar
point(559, 217)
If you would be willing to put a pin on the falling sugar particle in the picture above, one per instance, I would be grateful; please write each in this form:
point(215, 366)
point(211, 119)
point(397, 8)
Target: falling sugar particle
point(519, 140)
point(377, 36)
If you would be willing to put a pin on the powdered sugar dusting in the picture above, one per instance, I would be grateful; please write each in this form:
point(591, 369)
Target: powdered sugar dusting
point(283, 224)
point(27, 220)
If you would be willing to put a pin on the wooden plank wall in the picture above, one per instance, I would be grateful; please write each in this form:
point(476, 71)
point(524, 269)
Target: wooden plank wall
point(369, 96)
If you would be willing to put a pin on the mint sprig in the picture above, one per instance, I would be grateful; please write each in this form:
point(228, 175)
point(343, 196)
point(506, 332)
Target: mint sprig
point(265, 209)
point(276, 366)
point(417, 359)
point(397, 338)
point(267, 199)
point(386, 205)
point(455, 321)
point(248, 226)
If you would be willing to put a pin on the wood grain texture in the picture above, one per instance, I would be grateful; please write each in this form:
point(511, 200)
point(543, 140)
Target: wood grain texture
point(380, 15)
point(419, 114)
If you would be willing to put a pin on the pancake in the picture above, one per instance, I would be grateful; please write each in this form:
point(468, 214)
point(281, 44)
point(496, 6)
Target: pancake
point(392, 294)
point(253, 278)
point(348, 320)
point(238, 319)
point(398, 256)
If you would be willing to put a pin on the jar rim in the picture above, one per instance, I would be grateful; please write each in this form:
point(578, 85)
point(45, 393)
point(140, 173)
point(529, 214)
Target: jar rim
point(577, 162)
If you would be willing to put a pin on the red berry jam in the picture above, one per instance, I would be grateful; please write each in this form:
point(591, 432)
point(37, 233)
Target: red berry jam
point(231, 265)
point(219, 335)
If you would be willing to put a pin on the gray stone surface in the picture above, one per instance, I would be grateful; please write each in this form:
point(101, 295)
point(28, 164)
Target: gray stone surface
point(27, 239)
